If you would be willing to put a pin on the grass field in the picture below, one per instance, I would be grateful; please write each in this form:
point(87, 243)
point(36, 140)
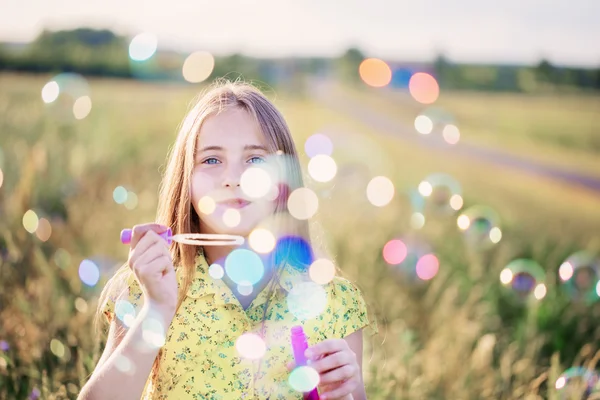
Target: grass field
point(458, 336)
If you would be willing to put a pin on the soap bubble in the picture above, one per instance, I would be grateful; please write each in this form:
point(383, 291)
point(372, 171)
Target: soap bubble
point(67, 96)
point(480, 226)
point(441, 194)
point(578, 383)
point(525, 278)
point(580, 275)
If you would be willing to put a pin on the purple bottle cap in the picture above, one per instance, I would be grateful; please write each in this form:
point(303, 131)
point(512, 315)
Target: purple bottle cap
point(297, 330)
point(126, 236)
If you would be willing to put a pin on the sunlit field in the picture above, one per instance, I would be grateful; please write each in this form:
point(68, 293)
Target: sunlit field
point(473, 297)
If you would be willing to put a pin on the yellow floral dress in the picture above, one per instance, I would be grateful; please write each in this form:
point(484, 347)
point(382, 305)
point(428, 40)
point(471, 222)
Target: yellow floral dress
point(199, 358)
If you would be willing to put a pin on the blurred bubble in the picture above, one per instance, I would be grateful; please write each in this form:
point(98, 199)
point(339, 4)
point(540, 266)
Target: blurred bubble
point(216, 271)
point(256, 182)
point(44, 230)
point(307, 300)
point(375, 72)
point(322, 168)
point(142, 46)
point(250, 346)
point(456, 202)
point(424, 88)
point(417, 220)
point(62, 258)
point(198, 66)
point(580, 276)
point(423, 124)
point(81, 305)
point(207, 205)
point(441, 194)
point(322, 271)
point(451, 134)
point(394, 252)
point(124, 364)
point(261, 240)
point(427, 267)
point(89, 272)
point(120, 195)
point(578, 383)
point(125, 311)
point(318, 144)
point(50, 92)
point(380, 191)
point(232, 217)
point(304, 379)
point(30, 221)
point(153, 332)
point(132, 201)
point(243, 265)
point(303, 203)
point(480, 226)
point(82, 107)
point(525, 278)
point(245, 289)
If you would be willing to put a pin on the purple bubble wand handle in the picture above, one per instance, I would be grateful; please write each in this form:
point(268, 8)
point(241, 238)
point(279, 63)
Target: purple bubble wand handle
point(197, 239)
point(299, 346)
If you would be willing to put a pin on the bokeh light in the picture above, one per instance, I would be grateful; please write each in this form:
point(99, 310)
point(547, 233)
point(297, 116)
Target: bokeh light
point(132, 201)
point(198, 66)
point(207, 205)
point(424, 88)
point(153, 332)
point(256, 182)
point(423, 124)
point(57, 348)
point(242, 265)
point(62, 258)
point(261, 240)
point(125, 312)
point(295, 251)
point(380, 191)
point(81, 305)
point(375, 72)
point(89, 272)
point(307, 300)
point(232, 217)
point(120, 195)
point(67, 96)
point(44, 230)
point(322, 271)
point(525, 278)
point(245, 289)
point(304, 379)
point(82, 107)
point(50, 92)
point(250, 346)
point(578, 383)
point(394, 252)
point(216, 271)
point(124, 364)
point(143, 46)
point(303, 203)
point(30, 221)
point(580, 276)
point(427, 267)
point(417, 220)
point(322, 168)
point(318, 144)
point(451, 134)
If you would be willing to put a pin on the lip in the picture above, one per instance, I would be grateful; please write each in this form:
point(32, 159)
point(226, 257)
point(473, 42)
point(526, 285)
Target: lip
point(235, 203)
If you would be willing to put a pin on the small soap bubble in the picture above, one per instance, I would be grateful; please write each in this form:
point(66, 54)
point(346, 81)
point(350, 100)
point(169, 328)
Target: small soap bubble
point(375, 72)
point(318, 144)
point(89, 272)
point(578, 383)
point(412, 259)
point(125, 311)
point(525, 278)
point(480, 226)
point(67, 96)
point(250, 346)
point(441, 195)
point(304, 379)
point(580, 276)
point(143, 46)
point(120, 195)
point(242, 265)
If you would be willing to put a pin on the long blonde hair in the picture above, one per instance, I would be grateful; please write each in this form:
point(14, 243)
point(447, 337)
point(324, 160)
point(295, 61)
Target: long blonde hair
point(175, 208)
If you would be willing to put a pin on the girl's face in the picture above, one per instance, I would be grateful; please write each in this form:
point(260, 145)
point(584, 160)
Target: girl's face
point(227, 145)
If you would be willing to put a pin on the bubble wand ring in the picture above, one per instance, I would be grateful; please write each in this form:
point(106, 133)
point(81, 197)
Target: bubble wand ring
point(194, 239)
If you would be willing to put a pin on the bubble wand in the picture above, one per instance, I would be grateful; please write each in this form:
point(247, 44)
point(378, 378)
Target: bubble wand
point(198, 239)
point(299, 346)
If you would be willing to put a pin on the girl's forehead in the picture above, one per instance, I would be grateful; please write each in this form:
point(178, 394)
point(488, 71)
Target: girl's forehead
point(229, 129)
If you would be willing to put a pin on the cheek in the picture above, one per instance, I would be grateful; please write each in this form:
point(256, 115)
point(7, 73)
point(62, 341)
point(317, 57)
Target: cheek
point(201, 184)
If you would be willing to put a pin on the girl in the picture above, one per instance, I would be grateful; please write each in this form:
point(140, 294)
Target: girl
point(180, 331)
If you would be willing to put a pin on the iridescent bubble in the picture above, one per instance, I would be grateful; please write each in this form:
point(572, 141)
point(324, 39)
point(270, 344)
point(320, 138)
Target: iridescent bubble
point(44, 230)
point(525, 278)
point(143, 46)
point(424, 88)
point(243, 265)
point(441, 194)
point(250, 346)
point(198, 66)
point(303, 203)
point(89, 272)
point(120, 195)
point(322, 271)
point(415, 260)
point(232, 217)
point(318, 144)
point(307, 300)
point(30, 221)
point(380, 191)
point(427, 267)
point(262, 240)
point(480, 226)
point(304, 379)
point(580, 275)
point(578, 383)
point(216, 271)
point(375, 72)
point(67, 96)
point(394, 252)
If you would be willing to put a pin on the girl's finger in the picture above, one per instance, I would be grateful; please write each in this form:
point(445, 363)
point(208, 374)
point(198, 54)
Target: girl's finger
point(325, 347)
point(343, 390)
point(339, 374)
point(333, 361)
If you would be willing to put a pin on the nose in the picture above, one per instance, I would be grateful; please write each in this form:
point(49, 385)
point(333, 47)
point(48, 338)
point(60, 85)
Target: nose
point(232, 175)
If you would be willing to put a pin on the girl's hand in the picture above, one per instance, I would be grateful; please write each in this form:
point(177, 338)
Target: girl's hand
point(337, 366)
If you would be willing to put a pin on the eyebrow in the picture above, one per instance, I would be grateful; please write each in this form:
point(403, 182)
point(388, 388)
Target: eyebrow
point(246, 147)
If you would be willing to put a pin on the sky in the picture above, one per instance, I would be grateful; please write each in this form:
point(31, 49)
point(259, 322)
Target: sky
point(565, 32)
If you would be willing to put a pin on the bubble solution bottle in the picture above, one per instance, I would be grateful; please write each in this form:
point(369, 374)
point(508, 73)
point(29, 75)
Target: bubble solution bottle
point(299, 346)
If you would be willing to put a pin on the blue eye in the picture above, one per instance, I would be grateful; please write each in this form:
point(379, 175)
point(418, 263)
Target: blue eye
point(257, 160)
point(211, 160)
